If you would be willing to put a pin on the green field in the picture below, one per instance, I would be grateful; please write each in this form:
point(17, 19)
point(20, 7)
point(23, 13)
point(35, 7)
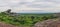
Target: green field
point(25, 19)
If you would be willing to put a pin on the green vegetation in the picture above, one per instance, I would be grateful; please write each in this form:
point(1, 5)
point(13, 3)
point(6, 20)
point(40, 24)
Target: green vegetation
point(25, 19)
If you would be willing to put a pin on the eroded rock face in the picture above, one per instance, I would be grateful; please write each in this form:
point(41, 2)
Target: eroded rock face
point(48, 23)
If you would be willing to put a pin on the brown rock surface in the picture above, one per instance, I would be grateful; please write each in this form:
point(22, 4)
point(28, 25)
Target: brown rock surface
point(48, 23)
point(6, 25)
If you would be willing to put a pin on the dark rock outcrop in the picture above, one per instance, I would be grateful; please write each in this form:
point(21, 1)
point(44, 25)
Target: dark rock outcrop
point(11, 13)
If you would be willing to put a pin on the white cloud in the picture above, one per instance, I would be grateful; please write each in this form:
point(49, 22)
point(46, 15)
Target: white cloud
point(20, 5)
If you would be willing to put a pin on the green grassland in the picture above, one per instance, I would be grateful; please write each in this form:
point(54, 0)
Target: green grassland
point(25, 19)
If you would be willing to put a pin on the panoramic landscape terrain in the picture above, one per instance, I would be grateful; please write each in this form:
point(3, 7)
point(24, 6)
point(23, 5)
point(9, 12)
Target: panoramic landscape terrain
point(24, 19)
point(29, 13)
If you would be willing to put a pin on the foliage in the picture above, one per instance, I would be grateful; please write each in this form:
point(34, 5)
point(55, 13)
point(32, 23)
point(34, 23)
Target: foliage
point(24, 19)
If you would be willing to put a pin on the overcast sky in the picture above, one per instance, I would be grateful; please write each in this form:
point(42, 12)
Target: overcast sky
point(30, 5)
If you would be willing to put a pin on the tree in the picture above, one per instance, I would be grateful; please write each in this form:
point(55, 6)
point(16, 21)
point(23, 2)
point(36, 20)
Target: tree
point(32, 17)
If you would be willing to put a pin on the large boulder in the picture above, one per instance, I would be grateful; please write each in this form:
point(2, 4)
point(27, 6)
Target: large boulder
point(48, 23)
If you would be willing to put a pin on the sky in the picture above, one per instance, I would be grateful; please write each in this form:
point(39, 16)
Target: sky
point(30, 6)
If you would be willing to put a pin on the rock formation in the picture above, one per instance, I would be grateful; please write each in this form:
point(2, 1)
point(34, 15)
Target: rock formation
point(48, 23)
point(6, 25)
point(57, 14)
point(11, 13)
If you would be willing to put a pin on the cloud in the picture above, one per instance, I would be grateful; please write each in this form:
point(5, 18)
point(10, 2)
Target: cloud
point(20, 5)
point(44, 4)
